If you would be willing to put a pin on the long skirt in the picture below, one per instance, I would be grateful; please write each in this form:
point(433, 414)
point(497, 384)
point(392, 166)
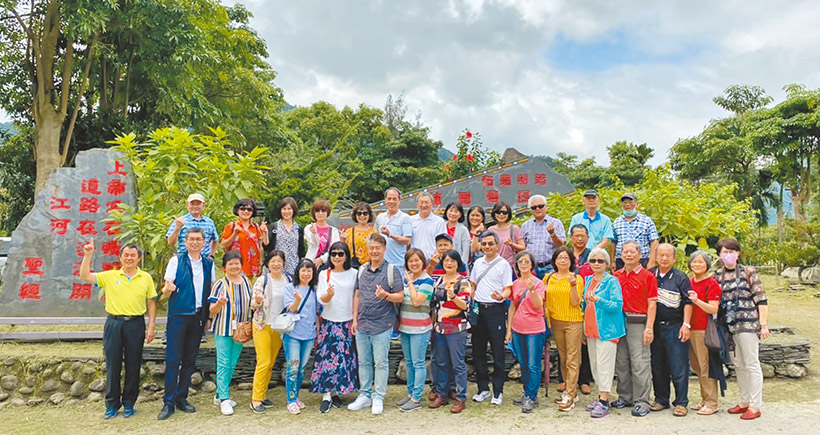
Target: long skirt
point(335, 368)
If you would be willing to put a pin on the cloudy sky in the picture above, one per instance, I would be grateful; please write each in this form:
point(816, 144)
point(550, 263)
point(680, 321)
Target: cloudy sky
point(542, 76)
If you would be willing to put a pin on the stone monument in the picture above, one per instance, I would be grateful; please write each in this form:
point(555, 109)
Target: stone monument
point(41, 277)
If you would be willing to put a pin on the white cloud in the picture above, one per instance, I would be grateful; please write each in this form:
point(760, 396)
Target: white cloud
point(486, 65)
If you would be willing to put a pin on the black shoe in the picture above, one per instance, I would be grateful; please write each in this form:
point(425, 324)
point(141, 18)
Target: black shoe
point(621, 403)
point(337, 401)
point(167, 411)
point(185, 407)
point(267, 403)
point(324, 407)
point(258, 409)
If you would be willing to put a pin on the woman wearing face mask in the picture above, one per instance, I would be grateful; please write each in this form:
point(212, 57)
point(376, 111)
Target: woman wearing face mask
point(743, 312)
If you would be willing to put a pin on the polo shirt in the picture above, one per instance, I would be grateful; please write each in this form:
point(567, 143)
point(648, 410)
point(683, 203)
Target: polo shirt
point(582, 266)
point(638, 288)
point(207, 225)
point(499, 277)
point(708, 290)
point(673, 295)
point(399, 224)
point(376, 315)
point(425, 232)
point(126, 296)
point(598, 228)
point(539, 241)
point(640, 229)
point(196, 270)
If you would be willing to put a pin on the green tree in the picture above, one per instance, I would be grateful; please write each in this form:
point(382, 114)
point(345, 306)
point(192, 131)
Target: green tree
point(627, 163)
point(584, 175)
point(174, 163)
point(17, 174)
point(471, 156)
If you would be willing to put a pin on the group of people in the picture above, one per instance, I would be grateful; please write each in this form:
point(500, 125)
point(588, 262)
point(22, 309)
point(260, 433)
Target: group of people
point(610, 296)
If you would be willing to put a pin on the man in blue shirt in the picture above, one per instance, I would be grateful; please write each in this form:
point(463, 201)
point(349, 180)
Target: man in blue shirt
point(635, 226)
point(599, 226)
point(194, 218)
point(543, 234)
point(395, 226)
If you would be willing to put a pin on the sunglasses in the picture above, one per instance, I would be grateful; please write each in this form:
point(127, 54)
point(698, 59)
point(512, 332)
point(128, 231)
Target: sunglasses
point(504, 212)
point(246, 208)
point(537, 206)
point(337, 254)
point(362, 213)
point(597, 261)
point(487, 243)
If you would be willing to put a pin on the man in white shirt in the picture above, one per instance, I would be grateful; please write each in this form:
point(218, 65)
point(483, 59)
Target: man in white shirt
point(491, 278)
point(426, 226)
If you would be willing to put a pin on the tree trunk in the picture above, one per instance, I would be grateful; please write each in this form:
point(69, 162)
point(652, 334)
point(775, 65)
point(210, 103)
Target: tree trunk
point(48, 125)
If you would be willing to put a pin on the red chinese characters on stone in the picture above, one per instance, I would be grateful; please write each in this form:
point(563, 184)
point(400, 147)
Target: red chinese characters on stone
point(464, 198)
point(111, 228)
point(60, 226)
point(110, 266)
point(115, 187)
point(59, 203)
point(111, 248)
point(80, 291)
point(118, 166)
point(75, 270)
point(90, 186)
point(86, 228)
point(79, 249)
point(30, 291)
point(487, 181)
point(89, 205)
point(32, 266)
point(437, 198)
point(540, 179)
point(492, 196)
point(523, 179)
point(523, 196)
point(112, 205)
point(505, 180)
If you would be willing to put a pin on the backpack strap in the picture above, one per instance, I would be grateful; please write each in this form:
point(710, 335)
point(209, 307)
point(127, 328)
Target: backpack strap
point(390, 273)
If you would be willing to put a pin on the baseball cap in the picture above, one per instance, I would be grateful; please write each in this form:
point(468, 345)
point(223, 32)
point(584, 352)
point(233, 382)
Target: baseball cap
point(628, 195)
point(444, 236)
point(591, 192)
point(196, 197)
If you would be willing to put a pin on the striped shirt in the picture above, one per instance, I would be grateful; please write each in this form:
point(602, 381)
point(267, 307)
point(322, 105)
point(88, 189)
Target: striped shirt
point(559, 304)
point(640, 229)
point(539, 240)
point(742, 294)
point(238, 308)
point(417, 320)
point(207, 225)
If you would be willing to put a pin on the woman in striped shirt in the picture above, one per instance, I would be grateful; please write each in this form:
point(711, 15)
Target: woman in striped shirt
point(230, 305)
point(415, 325)
point(300, 298)
point(564, 292)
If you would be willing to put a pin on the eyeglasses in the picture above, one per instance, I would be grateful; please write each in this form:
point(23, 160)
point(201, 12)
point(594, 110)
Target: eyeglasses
point(362, 213)
point(246, 208)
point(487, 243)
point(597, 261)
point(537, 206)
point(337, 254)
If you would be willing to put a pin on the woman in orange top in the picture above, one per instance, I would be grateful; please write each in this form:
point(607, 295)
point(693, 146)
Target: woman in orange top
point(246, 237)
point(356, 236)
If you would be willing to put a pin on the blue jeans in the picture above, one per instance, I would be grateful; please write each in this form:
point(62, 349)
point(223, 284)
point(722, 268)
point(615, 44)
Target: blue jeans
point(529, 348)
point(449, 351)
point(670, 362)
point(297, 353)
point(373, 363)
point(414, 348)
point(227, 355)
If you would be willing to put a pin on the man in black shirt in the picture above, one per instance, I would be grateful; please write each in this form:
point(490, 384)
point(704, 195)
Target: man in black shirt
point(670, 349)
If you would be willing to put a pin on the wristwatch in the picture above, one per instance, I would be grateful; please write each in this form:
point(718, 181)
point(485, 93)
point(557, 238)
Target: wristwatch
point(648, 331)
point(687, 325)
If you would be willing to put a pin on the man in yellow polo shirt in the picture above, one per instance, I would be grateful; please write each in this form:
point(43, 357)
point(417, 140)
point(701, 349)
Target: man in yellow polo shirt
point(129, 293)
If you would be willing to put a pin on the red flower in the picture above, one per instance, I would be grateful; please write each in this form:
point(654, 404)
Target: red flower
point(446, 167)
point(469, 158)
point(468, 134)
point(455, 157)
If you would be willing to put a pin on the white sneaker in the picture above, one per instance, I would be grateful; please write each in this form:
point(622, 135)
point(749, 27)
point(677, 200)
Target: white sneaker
point(360, 403)
point(481, 396)
point(378, 407)
point(497, 400)
point(226, 407)
point(218, 402)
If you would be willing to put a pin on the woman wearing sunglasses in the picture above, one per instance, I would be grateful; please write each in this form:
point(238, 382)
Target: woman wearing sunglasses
point(510, 238)
point(356, 236)
point(246, 237)
point(335, 368)
point(603, 326)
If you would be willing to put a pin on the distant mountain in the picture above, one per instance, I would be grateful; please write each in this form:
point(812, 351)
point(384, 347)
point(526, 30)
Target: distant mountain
point(445, 155)
point(6, 129)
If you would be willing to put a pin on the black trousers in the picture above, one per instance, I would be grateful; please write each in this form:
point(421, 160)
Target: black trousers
point(123, 338)
point(585, 372)
point(183, 334)
point(492, 328)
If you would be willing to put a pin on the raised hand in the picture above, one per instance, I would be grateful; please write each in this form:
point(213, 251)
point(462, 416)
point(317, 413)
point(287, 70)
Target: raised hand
point(450, 293)
point(331, 290)
point(497, 296)
point(258, 298)
point(551, 227)
point(693, 296)
point(408, 277)
point(380, 292)
point(313, 228)
point(297, 297)
point(222, 301)
point(236, 230)
point(508, 242)
point(385, 231)
point(88, 248)
point(168, 288)
point(264, 227)
point(179, 221)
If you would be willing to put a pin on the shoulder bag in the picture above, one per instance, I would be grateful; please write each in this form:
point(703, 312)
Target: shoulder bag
point(286, 321)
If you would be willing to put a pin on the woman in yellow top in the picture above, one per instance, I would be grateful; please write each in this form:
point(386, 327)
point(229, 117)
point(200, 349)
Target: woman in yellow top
point(356, 236)
point(564, 292)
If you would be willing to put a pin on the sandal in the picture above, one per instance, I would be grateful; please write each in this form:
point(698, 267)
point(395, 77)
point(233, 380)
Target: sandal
point(696, 407)
point(705, 410)
point(680, 411)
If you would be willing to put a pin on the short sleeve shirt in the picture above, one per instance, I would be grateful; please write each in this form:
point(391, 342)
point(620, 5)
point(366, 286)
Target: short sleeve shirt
point(247, 244)
point(528, 319)
point(673, 295)
point(638, 288)
point(598, 228)
point(499, 277)
point(708, 290)
point(207, 225)
point(640, 229)
point(399, 224)
point(376, 315)
point(425, 232)
point(538, 240)
point(507, 252)
point(126, 296)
